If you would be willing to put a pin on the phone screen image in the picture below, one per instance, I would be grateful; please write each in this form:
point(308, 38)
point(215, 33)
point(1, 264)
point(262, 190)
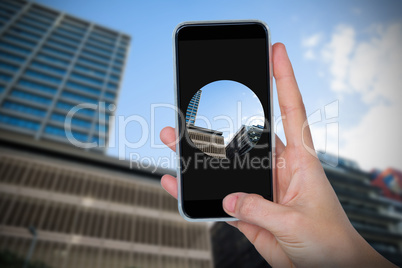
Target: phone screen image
point(224, 123)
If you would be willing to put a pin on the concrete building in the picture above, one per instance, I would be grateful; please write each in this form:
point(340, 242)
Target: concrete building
point(91, 210)
point(191, 113)
point(88, 209)
point(49, 63)
point(244, 140)
point(211, 142)
point(376, 218)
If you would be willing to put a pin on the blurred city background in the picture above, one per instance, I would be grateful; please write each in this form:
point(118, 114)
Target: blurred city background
point(62, 205)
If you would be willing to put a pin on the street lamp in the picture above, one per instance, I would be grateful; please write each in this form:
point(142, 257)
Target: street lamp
point(33, 232)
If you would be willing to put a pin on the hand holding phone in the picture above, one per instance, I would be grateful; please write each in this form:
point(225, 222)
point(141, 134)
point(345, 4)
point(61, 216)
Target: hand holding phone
point(307, 226)
point(224, 109)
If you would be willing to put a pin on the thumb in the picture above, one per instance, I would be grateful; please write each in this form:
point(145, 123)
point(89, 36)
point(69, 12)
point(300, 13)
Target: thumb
point(255, 209)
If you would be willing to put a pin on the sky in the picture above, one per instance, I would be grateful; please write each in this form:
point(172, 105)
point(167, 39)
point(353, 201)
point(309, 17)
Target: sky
point(347, 57)
point(227, 105)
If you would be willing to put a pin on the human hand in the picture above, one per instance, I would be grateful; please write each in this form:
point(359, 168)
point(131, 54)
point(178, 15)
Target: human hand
point(307, 226)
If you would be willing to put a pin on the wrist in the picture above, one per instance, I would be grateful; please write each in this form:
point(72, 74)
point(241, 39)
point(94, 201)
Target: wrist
point(361, 254)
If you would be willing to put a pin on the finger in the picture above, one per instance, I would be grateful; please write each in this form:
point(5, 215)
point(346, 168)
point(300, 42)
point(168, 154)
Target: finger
point(279, 146)
point(232, 223)
point(256, 210)
point(168, 137)
point(290, 99)
point(169, 183)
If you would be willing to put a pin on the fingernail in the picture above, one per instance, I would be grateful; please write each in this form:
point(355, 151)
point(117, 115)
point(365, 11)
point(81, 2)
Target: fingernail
point(229, 203)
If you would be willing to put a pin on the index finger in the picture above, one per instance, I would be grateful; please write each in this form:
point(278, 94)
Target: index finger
point(290, 99)
point(168, 137)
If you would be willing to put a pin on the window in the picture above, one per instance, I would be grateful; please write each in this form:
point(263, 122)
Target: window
point(65, 31)
point(25, 33)
point(3, 19)
point(59, 44)
point(58, 52)
point(34, 19)
point(95, 139)
point(5, 77)
point(24, 109)
point(114, 78)
point(68, 107)
point(10, 120)
point(46, 67)
point(8, 9)
point(52, 59)
point(43, 15)
point(30, 97)
point(93, 63)
point(62, 133)
point(30, 27)
point(8, 67)
point(74, 121)
point(120, 56)
point(36, 86)
point(73, 27)
point(99, 57)
point(124, 41)
point(118, 63)
point(105, 119)
point(83, 88)
point(2, 88)
point(87, 79)
point(19, 40)
point(14, 47)
point(111, 86)
point(35, 23)
point(110, 95)
point(103, 38)
point(65, 39)
point(101, 50)
point(78, 98)
point(107, 104)
point(68, 34)
point(12, 57)
point(89, 71)
point(101, 128)
point(121, 49)
point(116, 69)
point(99, 42)
point(42, 76)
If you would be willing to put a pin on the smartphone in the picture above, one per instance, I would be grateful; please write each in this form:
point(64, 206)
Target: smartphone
point(223, 95)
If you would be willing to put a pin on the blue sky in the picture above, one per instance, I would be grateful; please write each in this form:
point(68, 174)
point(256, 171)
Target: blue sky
point(227, 105)
point(344, 52)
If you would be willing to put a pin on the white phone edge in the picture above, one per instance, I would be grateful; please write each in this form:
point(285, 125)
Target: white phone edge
point(178, 173)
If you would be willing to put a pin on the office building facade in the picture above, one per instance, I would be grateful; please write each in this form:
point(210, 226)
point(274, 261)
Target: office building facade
point(51, 62)
point(88, 209)
point(376, 218)
point(91, 210)
point(210, 142)
point(191, 113)
point(243, 140)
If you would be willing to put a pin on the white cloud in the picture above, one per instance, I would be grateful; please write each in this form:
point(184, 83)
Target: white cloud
point(371, 68)
point(310, 43)
point(309, 54)
point(375, 141)
point(337, 53)
point(375, 69)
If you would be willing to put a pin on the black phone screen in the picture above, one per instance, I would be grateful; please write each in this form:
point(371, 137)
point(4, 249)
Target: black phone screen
point(216, 65)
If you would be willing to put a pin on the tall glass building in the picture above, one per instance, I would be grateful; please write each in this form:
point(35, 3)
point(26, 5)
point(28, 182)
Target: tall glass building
point(51, 62)
point(88, 209)
point(192, 108)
